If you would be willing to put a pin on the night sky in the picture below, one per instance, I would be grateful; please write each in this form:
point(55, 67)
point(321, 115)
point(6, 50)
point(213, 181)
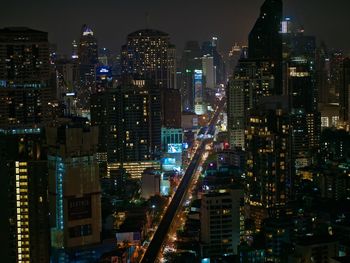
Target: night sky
point(230, 20)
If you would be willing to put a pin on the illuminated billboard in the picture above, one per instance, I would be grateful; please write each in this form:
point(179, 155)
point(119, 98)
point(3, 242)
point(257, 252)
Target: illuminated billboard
point(104, 71)
point(198, 85)
point(169, 161)
point(168, 164)
point(175, 148)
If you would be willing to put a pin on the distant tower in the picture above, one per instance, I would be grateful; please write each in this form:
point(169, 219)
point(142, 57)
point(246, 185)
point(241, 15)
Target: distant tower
point(74, 50)
point(88, 59)
point(149, 55)
point(191, 60)
point(88, 52)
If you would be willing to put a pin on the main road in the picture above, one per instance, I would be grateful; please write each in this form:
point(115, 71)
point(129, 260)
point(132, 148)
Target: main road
point(157, 241)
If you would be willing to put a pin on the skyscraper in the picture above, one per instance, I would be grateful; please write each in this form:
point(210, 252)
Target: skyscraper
point(149, 55)
point(87, 50)
point(251, 81)
point(130, 121)
point(74, 187)
point(300, 85)
point(269, 182)
point(265, 40)
point(190, 61)
point(24, 97)
point(259, 75)
point(24, 226)
point(87, 59)
point(210, 48)
point(24, 77)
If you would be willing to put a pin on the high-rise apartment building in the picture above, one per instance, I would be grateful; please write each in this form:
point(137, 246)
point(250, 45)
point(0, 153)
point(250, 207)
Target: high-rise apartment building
point(24, 216)
point(222, 222)
point(269, 182)
point(130, 121)
point(251, 81)
point(149, 55)
point(24, 77)
point(74, 187)
point(25, 93)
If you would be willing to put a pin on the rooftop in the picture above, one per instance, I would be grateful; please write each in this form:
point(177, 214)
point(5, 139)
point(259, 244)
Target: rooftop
point(148, 32)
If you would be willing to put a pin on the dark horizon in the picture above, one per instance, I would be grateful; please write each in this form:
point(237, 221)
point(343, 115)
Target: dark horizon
point(113, 21)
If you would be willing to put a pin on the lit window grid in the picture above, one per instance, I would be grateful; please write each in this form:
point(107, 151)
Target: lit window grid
point(22, 217)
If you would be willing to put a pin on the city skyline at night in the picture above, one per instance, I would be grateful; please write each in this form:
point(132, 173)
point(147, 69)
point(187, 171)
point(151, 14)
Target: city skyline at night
point(175, 131)
point(231, 21)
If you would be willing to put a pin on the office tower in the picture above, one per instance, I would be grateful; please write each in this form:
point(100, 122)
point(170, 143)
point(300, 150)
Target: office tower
point(209, 72)
point(149, 55)
point(269, 183)
point(221, 222)
point(74, 187)
point(259, 75)
point(210, 48)
point(301, 76)
point(251, 81)
point(265, 40)
point(344, 97)
point(87, 59)
point(190, 61)
point(24, 227)
point(25, 77)
point(87, 50)
point(233, 57)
